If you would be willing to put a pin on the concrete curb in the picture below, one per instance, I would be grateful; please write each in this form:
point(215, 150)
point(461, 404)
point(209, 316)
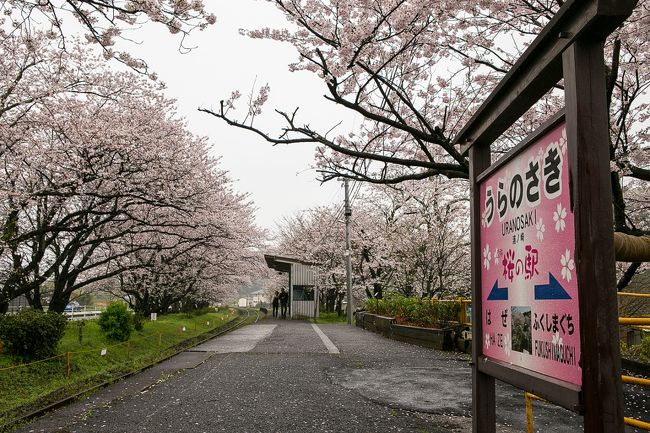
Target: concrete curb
point(441, 339)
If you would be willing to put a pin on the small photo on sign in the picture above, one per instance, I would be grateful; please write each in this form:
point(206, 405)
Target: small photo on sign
point(521, 337)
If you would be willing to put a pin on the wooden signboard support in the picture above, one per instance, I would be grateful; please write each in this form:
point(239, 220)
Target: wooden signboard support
point(569, 47)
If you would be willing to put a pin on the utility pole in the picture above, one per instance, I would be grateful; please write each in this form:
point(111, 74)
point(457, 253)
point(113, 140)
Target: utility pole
point(348, 261)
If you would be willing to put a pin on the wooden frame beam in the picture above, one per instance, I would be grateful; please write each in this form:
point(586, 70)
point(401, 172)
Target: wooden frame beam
point(591, 201)
point(570, 46)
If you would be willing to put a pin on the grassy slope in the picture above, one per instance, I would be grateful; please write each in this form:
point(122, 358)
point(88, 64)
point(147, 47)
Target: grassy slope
point(23, 389)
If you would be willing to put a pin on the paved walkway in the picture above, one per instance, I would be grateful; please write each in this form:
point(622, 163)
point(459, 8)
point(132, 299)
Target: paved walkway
point(292, 376)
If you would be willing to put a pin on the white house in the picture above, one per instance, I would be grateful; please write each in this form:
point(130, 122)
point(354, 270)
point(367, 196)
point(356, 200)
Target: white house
point(258, 298)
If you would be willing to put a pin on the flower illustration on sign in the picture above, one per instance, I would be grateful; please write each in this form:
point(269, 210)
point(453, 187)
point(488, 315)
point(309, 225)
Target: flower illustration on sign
point(558, 343)
point(487, 341)
point(497, 254)
point(506, 344)
point(567, 265)
point(558, 216)
point(541, 228)
point(557, 340)
point(487, 256)
point(563, 141)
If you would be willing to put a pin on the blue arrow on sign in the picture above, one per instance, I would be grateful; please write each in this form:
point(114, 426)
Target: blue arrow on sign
point(552, 290)
point(498, 293)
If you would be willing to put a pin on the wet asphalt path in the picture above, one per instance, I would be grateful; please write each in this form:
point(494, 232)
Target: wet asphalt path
point(282, 376)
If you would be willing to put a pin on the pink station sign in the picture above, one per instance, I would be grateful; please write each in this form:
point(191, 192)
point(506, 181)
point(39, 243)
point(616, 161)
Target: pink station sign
point(528, 271)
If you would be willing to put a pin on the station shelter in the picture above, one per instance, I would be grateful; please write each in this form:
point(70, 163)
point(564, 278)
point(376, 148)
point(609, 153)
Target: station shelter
point(303, 292)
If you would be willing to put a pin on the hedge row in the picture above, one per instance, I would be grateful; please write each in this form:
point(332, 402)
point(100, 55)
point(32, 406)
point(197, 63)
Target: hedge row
point(424, 312)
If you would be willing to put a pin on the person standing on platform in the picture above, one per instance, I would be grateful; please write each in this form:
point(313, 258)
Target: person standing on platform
point(275, 302)
point(284, 300)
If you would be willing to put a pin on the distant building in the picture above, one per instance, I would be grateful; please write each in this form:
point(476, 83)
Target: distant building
point(258, 298)
point(242, 303)
point(18, 304)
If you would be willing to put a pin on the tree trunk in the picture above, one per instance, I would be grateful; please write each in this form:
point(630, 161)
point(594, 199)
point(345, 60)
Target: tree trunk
point(34, 298)
point(339, 303)
point(58, 303)
point(60, 297)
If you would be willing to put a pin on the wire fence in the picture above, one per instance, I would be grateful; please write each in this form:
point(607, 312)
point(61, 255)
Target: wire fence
point(96, 361)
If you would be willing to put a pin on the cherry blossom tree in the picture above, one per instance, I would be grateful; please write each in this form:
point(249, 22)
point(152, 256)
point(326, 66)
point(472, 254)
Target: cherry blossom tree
point(416, 244)
point(432, 239)
point(416, 71)
point(199, 261)
point(100, 171)
point(36, 79)
point(406, 238)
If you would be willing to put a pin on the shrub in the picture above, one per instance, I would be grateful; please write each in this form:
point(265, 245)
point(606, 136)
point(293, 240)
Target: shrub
point(416, 311)
point(116, 322)
point(32, 334)
point(447, 312)
point(645, 349)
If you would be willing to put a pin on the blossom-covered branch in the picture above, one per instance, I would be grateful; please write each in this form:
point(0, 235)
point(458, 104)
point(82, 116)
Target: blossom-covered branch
point(105, 20)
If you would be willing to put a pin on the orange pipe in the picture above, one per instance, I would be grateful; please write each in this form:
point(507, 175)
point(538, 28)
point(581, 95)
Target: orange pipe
point(635, 380)
point(636, 423)
point(634, 321)
point(637, 295)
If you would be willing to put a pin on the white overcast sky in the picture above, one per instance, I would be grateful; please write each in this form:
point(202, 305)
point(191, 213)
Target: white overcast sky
point(278, 178)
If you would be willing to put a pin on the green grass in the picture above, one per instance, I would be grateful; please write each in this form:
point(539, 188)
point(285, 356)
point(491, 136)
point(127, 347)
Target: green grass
point(332, 317)
point(34, 385)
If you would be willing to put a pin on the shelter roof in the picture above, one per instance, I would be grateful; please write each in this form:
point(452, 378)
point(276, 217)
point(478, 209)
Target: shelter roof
point(283, 264)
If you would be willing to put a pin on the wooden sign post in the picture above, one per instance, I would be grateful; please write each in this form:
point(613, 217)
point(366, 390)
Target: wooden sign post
point(543, 269)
